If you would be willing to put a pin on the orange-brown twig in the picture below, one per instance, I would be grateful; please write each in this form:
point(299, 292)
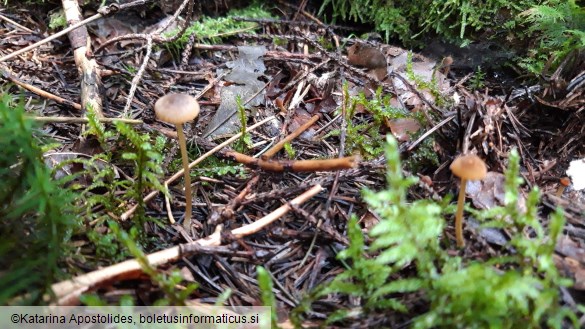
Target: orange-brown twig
point(292, 166)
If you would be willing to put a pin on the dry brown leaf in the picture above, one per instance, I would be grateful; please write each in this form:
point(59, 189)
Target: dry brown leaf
point(490, 192)
point(369, 220)
point(571, 267)
point(403, 128)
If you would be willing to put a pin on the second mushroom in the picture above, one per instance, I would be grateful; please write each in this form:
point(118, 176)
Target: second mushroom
point(466, 167)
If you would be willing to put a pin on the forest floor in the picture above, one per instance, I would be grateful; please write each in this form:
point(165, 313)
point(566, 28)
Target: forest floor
point(300, 74)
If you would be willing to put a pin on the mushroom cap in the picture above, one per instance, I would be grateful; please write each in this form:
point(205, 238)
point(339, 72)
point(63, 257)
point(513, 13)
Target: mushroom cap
point(469, 167)
point(176, 108)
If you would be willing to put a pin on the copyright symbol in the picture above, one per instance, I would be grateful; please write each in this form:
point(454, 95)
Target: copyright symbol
point(14, 318)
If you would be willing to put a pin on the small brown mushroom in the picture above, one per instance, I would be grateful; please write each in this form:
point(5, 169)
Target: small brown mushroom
point(563, 183)
point(466, 167)
point(178, 109)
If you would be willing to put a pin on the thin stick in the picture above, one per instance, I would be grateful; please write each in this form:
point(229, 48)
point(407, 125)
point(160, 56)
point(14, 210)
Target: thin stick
point(10, 76)
point(68, 291)
point(84, 120)
point(179, 173)
point(430, 131)
point(294, 166)
point(270, 153)
point(168, 206)
point(50, 38)
point(266, 220)
point(24, 28)
point(138, 76)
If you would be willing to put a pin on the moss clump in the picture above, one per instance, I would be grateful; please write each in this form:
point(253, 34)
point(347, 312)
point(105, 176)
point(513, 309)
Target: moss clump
point(37, 213)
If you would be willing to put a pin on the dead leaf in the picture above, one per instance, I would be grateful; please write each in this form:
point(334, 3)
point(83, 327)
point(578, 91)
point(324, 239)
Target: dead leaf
point(187, 275)
point(490, 234)
point(403, 128)
point(572, 268)
point(244, 74)
point(490, 192)
point(369, 220)
point(65, 164)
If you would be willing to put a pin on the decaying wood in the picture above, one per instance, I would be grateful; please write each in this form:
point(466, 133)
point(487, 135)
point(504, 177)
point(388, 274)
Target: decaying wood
point(87, 66)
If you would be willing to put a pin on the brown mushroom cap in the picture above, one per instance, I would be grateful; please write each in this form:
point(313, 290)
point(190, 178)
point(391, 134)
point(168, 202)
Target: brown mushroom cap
point(469, 167)
point(176, 108)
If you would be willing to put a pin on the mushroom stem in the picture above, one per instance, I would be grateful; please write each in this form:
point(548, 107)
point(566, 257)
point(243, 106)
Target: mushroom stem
point(560, 191)
point(459, 215)
point(187, 177)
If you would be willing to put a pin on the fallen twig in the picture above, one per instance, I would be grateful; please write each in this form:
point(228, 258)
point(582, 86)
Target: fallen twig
point(68, 292)
point(138, 76)
point(429, 132)
point(292, 166)
point(7, 74)
point(217, 216)
point(273, 150)
point(24, 28)
point(84, 120)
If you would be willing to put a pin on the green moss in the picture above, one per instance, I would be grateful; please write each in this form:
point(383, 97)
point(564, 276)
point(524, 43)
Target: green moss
point(214, 30)
point(477, 81)
point(423, 156)
point(213, 167)
point(290, 151)
point(58, 20)
point(455, 20)
point(142, 153)
point(558, 27)
point(38, 213)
